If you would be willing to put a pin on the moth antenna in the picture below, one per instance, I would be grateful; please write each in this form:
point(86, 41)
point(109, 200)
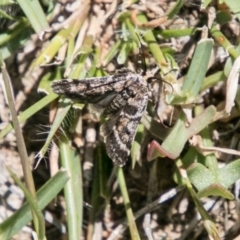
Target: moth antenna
point(160, 79)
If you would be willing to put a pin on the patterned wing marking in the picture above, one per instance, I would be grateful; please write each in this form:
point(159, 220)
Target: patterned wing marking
point(93, 90)
point(123, 97)
point(120, 130)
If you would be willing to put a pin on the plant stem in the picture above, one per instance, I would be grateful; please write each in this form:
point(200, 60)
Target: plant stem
point(20, 141)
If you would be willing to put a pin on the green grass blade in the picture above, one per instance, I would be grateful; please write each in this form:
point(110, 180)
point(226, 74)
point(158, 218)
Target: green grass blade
point(23, 216)
point(35, 15)
point(112, 53)
point(198, 68)
point(131, 220)
point(213, 79)
point(30, 112)
point(64, 107)
point(175, 9)
point(25, 162)
point(124, 52)
point(13, 32)
point(173, 33)
point(223, 41)
point(33, 204)
point(73, 189)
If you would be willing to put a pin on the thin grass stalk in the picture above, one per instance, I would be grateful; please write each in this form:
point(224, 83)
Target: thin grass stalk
point(20, 141)
point(131, 220)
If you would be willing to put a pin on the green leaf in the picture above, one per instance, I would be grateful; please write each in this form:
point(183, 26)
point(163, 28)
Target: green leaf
point(223, 17)
point(230, 173)
point(210, 184)
point(156, 150)
point(200, 176)
point(216, 190)
point(212, 80)
point(193, 156)
point(205, 182)
point(154, 127)
point(198, 68)
point(177, 138)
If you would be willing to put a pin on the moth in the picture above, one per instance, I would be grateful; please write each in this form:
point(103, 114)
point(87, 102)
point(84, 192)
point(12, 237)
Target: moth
point(122, 98)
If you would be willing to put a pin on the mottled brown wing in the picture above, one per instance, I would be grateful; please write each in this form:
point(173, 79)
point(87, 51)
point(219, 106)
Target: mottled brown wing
point(97, 90)
point(120, 130)
point(123, 97)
